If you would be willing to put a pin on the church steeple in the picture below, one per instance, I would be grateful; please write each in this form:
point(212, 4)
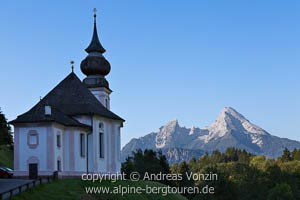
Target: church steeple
point(95, 45)
point(96, 67)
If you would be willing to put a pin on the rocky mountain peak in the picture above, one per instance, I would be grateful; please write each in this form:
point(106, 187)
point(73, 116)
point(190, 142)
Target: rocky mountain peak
point(173, 123)
point(229, 119)
point(164, 136)
point(170, 126)
point(232, 113)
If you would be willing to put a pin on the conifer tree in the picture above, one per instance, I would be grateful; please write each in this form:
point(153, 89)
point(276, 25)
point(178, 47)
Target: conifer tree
point(5, 131)
point(286, 156)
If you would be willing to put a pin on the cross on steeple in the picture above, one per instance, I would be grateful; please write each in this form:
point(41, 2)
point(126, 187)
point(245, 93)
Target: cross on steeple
point(95, 14)
point(72, 65)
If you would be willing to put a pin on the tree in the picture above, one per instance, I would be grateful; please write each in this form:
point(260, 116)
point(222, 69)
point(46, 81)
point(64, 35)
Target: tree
point(127, 167)
point(286, 156)
point(244, 177)
point(258, 162)
point(281, 192)
point(183, 169)
point(217, 156)
point(296, 154)
point(274, 175)
point(224, 188)
point(163, 162)
point(5, 131)
point(236, 155)
point(231, 154)
point(146, 162)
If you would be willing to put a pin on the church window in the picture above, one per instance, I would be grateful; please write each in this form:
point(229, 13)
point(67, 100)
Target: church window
point(101, 145)
point(101, 126)
point(101, 140)
point(58, 165)
point(58, 140)
point(82, 145)
point(32, 139)
point(106, 103)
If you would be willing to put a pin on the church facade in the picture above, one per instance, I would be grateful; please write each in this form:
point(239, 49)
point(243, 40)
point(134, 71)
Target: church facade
point(72, 130)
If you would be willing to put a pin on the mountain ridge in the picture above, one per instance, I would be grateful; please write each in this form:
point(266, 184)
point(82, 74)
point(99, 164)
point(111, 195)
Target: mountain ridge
point(230, 129)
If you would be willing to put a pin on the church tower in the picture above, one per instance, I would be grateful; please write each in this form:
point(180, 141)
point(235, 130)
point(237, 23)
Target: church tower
point(96, 67)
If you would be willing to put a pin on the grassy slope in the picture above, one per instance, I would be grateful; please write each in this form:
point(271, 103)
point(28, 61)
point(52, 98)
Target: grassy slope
point(74, 189)
point(6, 157)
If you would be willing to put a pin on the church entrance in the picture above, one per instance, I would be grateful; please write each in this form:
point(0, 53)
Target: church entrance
point(33, 171)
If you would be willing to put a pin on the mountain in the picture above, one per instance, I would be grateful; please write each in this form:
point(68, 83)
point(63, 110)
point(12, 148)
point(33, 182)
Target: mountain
point(177, 155)
point(230, 129)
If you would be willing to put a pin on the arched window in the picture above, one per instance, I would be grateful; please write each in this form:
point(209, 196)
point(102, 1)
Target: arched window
point(101, 126)
point(101, 140)
point(58, 140)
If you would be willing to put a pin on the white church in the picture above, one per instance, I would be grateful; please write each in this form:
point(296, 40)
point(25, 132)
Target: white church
point(72, 130)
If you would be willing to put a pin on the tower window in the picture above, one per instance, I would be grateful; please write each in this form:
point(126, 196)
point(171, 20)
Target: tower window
point(82, 145)
point(106, 103)
point(101, 145)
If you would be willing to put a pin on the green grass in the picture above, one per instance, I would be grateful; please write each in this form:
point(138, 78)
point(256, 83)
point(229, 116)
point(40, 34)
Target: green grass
point(75, 189)
point(6, 156)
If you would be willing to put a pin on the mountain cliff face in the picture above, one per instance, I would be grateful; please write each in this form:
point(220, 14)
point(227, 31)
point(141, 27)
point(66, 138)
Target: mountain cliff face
point(230, 129)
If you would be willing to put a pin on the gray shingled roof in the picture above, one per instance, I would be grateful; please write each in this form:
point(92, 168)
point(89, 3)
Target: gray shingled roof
point(69, 98)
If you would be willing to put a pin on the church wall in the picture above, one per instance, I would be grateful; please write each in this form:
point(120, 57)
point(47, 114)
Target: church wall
point(90, 154)
point(58, 151)
point(66, 150)
point(73, 163)
point(108, 151)
point(25, 153)
point(46, 153)
point(115, 165)
point(80, 162)
point(99, 163)
point(111, 161)
point(39, 152)
point(118, 144)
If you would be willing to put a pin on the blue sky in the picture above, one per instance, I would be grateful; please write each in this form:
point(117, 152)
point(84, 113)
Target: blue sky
point(170, 59)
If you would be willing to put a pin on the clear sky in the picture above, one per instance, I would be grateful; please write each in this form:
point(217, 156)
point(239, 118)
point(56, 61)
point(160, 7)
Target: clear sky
point(170, 59)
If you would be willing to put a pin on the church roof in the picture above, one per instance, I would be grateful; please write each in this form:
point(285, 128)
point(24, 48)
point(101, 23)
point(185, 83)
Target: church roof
point(69, 98)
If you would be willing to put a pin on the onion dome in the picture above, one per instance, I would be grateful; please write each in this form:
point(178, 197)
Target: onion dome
point(95, 63)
